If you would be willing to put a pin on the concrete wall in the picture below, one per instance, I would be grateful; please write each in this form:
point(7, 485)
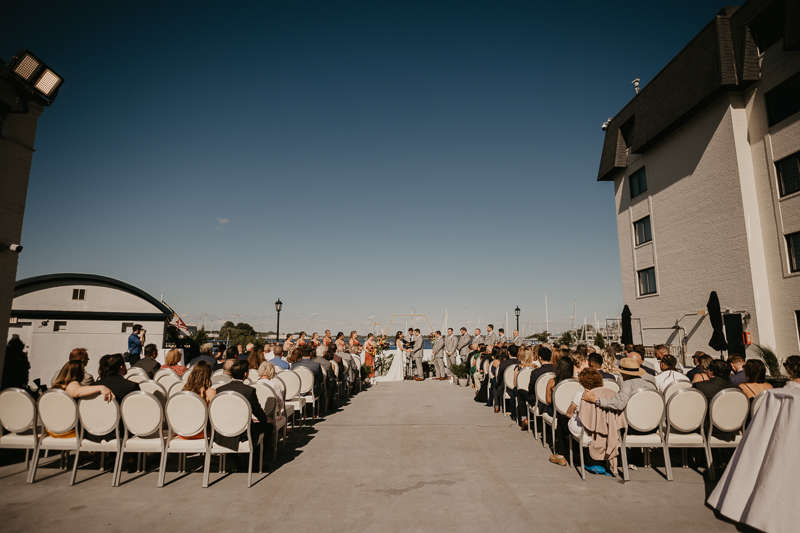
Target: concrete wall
point(16, 151)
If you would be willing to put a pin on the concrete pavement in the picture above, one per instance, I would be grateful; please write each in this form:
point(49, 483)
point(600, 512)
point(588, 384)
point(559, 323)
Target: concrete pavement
point(402, 456)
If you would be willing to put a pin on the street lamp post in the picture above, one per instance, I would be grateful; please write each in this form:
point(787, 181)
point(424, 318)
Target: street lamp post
point(517, 312)
point(278, 306)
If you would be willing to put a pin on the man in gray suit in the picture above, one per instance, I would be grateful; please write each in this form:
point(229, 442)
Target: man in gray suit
point(517, 341)
point(502, 339)
point(450, 343)
point(478, 338)
point(438, 355)
point(463, 345)
point(491, 336)
point(417, 354)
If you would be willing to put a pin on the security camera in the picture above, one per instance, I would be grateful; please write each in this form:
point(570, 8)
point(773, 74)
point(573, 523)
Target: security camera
point(605, 124)
point(15, 248)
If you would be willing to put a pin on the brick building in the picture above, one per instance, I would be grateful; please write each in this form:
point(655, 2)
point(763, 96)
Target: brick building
point(705, 162)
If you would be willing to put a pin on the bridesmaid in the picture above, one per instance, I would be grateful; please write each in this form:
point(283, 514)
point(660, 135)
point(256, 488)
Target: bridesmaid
point(315, 339)
point(340, 344)
point(288, 344)
point(370, 347)
point(326, 340)
point(354, 342)
point(301, 340)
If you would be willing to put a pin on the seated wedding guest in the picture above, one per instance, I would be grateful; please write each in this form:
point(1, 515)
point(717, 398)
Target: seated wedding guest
point(703, 363)
point(756, 381)
point(199, 381)
point(227, 365)
point(69, 379)
point(719, 373)
point(207, 355)
point(525, 356)
point(148, 363)
point(597, 362)
point(335, 359)
point(505, 361)
point(173, 360)
point(492, 385)
point(638, 353)
point(256, 357)
point(564, 370)
point(580, 359)
point(112, 372)
point(632, 380)
point(545, 356)
point(610, 362)
point(78, 354)
point(589, 378)
point(737, 363)
point(292, 356)
point(244, 355)
point(239, 371)
point(318, 356)
point(669, 373)
point(697, 368)
point(483, 379)
point(792, 366)
point(278, 359)
point(556, 356)
point(305, 360)
point(266, 374)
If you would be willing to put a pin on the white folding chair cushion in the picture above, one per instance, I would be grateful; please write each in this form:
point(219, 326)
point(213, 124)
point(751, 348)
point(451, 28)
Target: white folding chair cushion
point(684, 439)
point(229, 413)
point(220, 379)
point(165, 372)
point(54, 443)
point(177, 445)
point(649, 440)
point(244, 447)
point(98, 416)
point(154, 388)
point(757, 401)
point(58, 411)
point(175, 388)
point(547, 418)
point(306, 379)
point(508, 376)
point(563, 394)
point(152, 443)
point(17, 410)
point(686, 410)
point(168, 381)
point(253, 375)
point(266, 397)
point(541, 386)
point(674, 387)
point(728, 409)
point(186, 414)
point(524, 378)
point(14, 440)
point(291, 383)
point(137, 378)
point(645, 411)
point(142, 413)
point(611, 384)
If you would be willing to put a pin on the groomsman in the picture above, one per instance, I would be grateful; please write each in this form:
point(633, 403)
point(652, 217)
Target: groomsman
point(478, 338)
point(517, 339)
point(417, 353)
point(491, 336)
point(502, 339)
point(450, 343)
point(463, 345)
point(438, 355)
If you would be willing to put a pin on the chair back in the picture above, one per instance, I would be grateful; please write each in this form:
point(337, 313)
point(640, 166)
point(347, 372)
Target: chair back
point(252, 374)
point(645, 410)
point(524, 378)
point(17, 410)
point(686, 409)
point(755, 405)
point(168, 381)
point(185, 376)
point(611, 384)
point(306, 379)
point(336, 370)
point(291, 383)
point(175, 388)
point(136, 377)
point(508, 376)
point(563, 394)
point(486, 365)
point(541, 386)
point(58, 411)
point(728, 409)
point(187, 414)
point(267, 397)
point(156, 389)
point(218, 372)
point(220, 379)
point(142, 413)
point(324, 372)
point(674, 387)
point(136, 370)
point(98, 416)
point(229, 413)
point(165, 372)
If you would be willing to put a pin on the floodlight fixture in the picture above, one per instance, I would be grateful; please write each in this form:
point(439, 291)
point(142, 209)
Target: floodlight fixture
point(34, 76)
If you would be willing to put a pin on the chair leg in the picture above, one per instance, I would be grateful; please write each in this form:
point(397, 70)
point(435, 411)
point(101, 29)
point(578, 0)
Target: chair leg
point(75, 467)
point(583, 461)
point(250, 467)
point(27, 458)
point(207, 468)
point(34, 466)
point(710, 460)
point(684, 458)
point(117, 469)
point(102, 461)
point(667, 463)
point(624, 453)
point(162, 469)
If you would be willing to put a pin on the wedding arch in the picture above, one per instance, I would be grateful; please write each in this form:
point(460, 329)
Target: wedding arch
point(386, 331)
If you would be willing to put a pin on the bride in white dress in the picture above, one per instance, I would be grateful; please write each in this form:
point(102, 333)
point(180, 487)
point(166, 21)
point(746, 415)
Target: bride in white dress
point(395, 372)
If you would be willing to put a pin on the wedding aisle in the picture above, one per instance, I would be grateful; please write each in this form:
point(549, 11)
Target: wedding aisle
point(403, 456)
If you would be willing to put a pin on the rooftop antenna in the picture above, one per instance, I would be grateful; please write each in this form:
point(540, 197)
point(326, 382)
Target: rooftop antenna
point(546, 315)
point(636, 85)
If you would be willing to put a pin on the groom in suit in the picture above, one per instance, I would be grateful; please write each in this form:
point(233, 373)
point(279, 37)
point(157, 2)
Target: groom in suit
point(417, 354)
point(450, 343)
point(438, 355)
point(408, 344)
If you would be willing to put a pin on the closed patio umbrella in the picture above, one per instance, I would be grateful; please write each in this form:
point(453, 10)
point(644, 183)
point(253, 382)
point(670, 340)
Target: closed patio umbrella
point(717, 341)
point(627, 328)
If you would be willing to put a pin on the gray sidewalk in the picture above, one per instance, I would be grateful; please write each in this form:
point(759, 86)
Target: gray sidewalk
point(400, 457)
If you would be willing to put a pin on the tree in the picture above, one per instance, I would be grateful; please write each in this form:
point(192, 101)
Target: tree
point(566, 338)
point(599, 340)
point(542, 337)
point(226, 330)
point(201, 337)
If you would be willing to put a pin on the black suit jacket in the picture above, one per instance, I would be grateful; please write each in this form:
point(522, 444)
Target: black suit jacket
point(649, 370)
point(536, 374)
point(502, 368)
point(208, 359)
point(709, 389)
point(149, 365)
point(250, 395)
point(118, 385)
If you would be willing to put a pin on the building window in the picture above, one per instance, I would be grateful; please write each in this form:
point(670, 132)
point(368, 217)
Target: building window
point(788, 170)
point(782, 101)
point(647, 281)
point(638, 182)
point(642, 229)
point(793, 245)
point(78, 294)
point(59, 325)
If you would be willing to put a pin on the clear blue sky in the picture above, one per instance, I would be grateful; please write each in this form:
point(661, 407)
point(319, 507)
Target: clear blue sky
point(355, 159)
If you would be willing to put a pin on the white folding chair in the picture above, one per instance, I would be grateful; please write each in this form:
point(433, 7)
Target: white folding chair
point(645, 414)
point(230, 416)
point(508, 385)
point(136, 377)
point(185, 376)
point(252, 375)
point(523, 381)
point(163, 373)
point(99, 418)
point(674, 387)
point(685, 413)
point(175, 388)
point(267, 397)
point(18, 416)
point(135, 370)
point(540, 388)
point(218, 372)
point(307, 388)
point(562, 396)
point(324, 397)
point(143, 418)
point(357, 369)
point(59, 415)
point(187, 415)
point(291, 386)
point(220, 379)
point(755, 405)
point(728, 411)
point(156, 389)
point(611, 384)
